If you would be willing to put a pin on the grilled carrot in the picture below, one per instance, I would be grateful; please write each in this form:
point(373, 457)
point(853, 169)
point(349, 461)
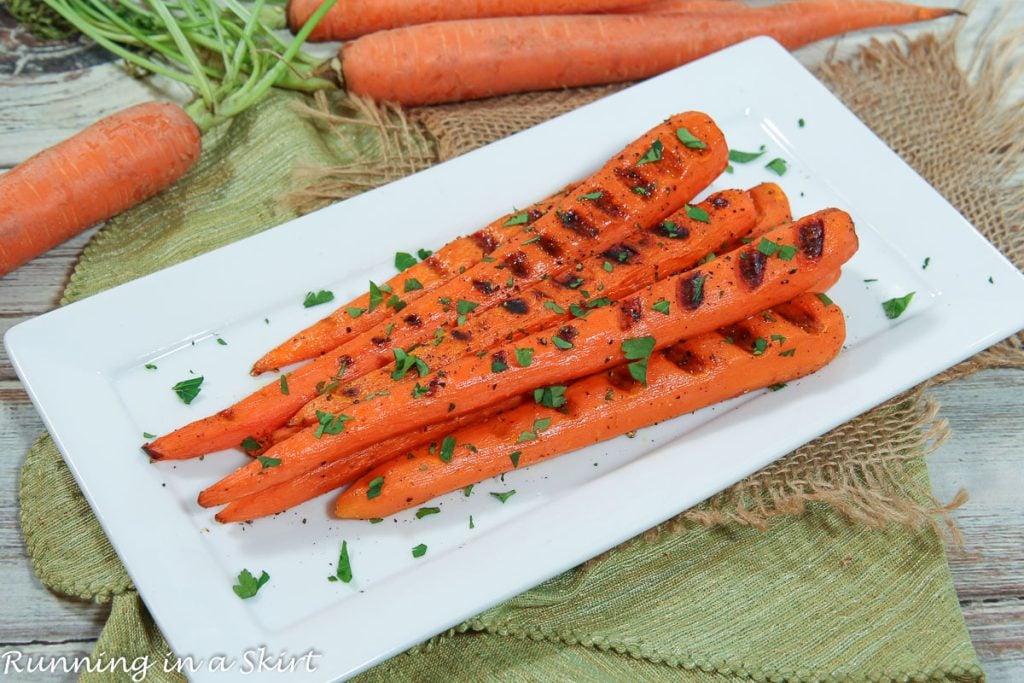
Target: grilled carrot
point(722, 291)
point(422, 278)
point(653, 177)
point(355, 18)
point(677, 243)
point(685, 377)
point(474, 58)
point(97, 173)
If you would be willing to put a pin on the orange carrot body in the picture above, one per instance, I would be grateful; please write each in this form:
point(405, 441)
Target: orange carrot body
point(685, 377)
point(729, 288)
point(413, 283)
point(114, 164)
point(632, 193)
point(461, 60)
point(645, 257)
point(352, 18)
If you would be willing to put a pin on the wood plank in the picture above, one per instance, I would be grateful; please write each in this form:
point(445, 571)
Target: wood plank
point(997, 630)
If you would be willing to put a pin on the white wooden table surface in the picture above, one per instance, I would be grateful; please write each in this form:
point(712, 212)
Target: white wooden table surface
point(49, 92)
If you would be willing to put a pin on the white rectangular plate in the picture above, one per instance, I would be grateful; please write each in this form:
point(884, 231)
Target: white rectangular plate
point(83, 367)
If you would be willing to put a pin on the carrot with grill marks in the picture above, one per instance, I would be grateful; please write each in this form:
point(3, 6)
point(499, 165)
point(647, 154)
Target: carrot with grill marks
point(418, 280)
point(676, 243)
point(682, 378)
point(651, 178)
point(461, 60)
point(729, 288)
point(330, 476)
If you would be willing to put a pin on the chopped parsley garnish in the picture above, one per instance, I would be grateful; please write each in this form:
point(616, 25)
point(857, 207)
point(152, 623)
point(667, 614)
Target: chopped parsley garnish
point(284, 384)
point(578, 311)
point(344, 572)
point(561, 343)
point(514, 457)
point(927, 260)
point(463, 307)
point(375, 520)
point(550, 397)
point(404, 261)
point(767, 247)
point(778, 165)
point(420, 391)
point(471, 525)
point(396, 303)
point(575, 283)
point(503, 496)
point(788, 352)
point(317, 298)
point(779, 338)
point(607, 265)
point(894, 307)
point(661, 306)
point(376, 484)
point(221, 342)
point(698, 290)
point(147, 435)
point(824, 298)
point(389, 329)
point(376, 297)
point(697, 213)
point(420, 550)
point(689, 139)
point(653, 153)
point(404, 362)
point(801, 123)
point(532, 239)
point(498, 365)
point(149, 366)
point(990, 280)
point(249, 444)
point(642, 191)
point(447, 449)
point(426, 512)
point(330, 423)
point(760, 344)
point(778, 386)
point(787, 252)
point(188, 389)
point(467, 491)
point(552, 306)
point(424, 254)
point(524, 357)
point(707, 259)
point(354, 312)
point(248, 585)
point(744, 157)
point(729, 168)
point(598, 302)
point(591, 196)
point(266, 462)
point(639, 351)
point(671, 229)
point(521, 218)
point(871, 279)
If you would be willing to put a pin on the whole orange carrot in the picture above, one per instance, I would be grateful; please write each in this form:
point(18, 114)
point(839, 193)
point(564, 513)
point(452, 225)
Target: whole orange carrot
point(461, 60)
point(729, 288)
point(796, 339)
point(110, 166)
point(353, 18)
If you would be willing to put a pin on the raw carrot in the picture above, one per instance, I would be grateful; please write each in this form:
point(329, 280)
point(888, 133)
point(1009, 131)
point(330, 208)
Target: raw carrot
point(635, 188)
point(677, 243)
point(729, 288)
point(97, 173)
point(330, 476)
point(462, 60)
point(422, 278)
point(353, 18)
point(685, 377)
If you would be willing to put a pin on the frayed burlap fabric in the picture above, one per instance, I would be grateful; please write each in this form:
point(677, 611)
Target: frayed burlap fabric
point(828, 565)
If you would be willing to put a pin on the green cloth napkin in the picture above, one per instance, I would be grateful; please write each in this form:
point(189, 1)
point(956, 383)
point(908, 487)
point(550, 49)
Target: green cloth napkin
point(813, 598)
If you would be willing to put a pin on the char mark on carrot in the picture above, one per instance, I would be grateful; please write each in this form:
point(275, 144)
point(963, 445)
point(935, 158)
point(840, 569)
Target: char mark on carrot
point(812, 239)
point(752, 264)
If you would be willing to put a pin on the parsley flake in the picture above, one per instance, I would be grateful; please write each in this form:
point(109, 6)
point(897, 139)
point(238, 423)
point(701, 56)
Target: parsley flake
point(778, 165)
point(317, 298)
point(284, 384)
point(786, 252)
point(591, 196)
point(524, 357)
point(498, 365)
point(689, 139)
point(561, 343)
point(894, 307)
point(639, 351)
point(412, 284)
point(503, 496)
point(550, 397)
point(787, 352)
point(221, 342)
point(514, 457)
point(147, 435)
point(426, 512)
point(188, 389)
point(404, 261)
point(777, 386)
point(760, 344)
point(697, 213)
point(520, 218)
point(653, 153)
point(767, 247)
point(927, 260)
point(745, 157)
point(420, 550)
point(376, 484)
point(266, 462)
point(248, 585)
point(354, 312)
point(552, 306)
point(404, 362)
point(447, 449)
point(330, 423)
point(424, 254)
point(250, 444)
point(467, 491)
point(344, 573)
point(607, 266)
point(661, 306)
point(149, 366)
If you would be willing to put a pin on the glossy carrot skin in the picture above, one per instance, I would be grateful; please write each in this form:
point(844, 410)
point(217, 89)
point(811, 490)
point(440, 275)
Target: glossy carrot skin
point(575, 230)
point(463, 60)
point(330, 476)
point(731, 287)
point(112, 165)
point(430, 273)
point(683, 378)
point(352, 18)
point(644, 257)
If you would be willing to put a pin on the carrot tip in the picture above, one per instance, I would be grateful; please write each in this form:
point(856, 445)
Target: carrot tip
point(152, 452)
